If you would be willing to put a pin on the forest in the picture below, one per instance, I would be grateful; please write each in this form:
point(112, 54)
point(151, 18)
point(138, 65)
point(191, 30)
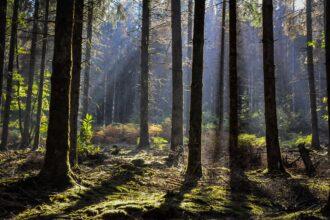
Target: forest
point(165, 109)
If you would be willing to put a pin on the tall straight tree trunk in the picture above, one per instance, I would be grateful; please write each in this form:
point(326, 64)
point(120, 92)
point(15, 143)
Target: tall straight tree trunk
point(327, 62)
point(56, 170)
point(144, 99)
point(177, 81)
point(75, 82)
point(88, 59)
point(273, 147)
point(9, 89)
point(42, 75)
point(27, 117)
point(194, 169)
point(3, 16)
point(233, 87)
point(189, 57)
point(220, 93)
point(311, 78)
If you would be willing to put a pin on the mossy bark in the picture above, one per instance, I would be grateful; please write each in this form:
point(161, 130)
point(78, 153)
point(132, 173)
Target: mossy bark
point(56, 170)
point(194, 168)
point(327, 60)
point(3, 16)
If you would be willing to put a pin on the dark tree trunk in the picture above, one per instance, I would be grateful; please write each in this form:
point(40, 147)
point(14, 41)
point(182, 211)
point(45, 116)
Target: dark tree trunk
point(177, 81)
point(311, 78)
point(27, 116)
point(273, 147)
point(88, 59)
point(194, 169)
point(56, 170)
point(188, 71)
point(327, 61)
point(3, 14)
point(309, 166)
point(233, 87)
point(220, 93)
point(9, 89)
point(75, 82)
point(144, 99)
point(42, 75)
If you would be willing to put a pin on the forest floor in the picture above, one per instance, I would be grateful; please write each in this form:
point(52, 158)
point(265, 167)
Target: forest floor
point(137, 185)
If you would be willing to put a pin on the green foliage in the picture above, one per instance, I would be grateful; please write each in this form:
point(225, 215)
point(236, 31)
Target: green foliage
point(251, 11)
point(306, 140)
point(85, 146)
point(159, 142)
point(312, 43)
point(251, 140)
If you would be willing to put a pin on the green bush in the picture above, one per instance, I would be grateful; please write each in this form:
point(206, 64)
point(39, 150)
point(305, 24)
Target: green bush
point(251, 140)
point(85, 146)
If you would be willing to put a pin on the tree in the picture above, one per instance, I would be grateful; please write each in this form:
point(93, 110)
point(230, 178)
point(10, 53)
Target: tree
point(194, 169)
point(75, 82)
point(272, 143)
point(56, 170)
point(177, 84)
point(10, 72)
point(327, 61)
point(42, 75)
point(189, 56)
point(220, 93)
point(27, 117)
point(311, 78)
point(233, 86)
point(144, 80)
point(88, 58)
point(3, 16)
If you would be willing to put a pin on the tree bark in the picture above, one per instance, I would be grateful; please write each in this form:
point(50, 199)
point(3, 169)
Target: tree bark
point(188, 72)
point(233, 87)
point(75, 82)
point(220, 93)
point(88, 59)
point(327, 61)
point(27, 116)
point(56, 170)
point(9, 89)
point(177, 81)
point(3, 16)
point(273, 147)
point(144, 81)
point(42, 75)
point(194, 169)
point(311, 77)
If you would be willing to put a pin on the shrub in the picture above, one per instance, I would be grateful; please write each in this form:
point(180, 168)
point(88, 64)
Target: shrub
point(85, 146)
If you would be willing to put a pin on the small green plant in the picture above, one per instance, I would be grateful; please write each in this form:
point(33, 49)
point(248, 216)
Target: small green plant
point(159, 142)
point(251, 140)
point(306, 140)
point(85, 146)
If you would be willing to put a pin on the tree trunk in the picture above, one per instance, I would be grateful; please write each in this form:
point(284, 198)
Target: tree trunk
point(144, 99)
point(9, 89)
point(327, 62)
point(88, 59)
point(194, 169)
point(188, 71)
point(75, 82)
point(177, 82)
point(233, 87)
point(42, 75)
point(27, 116)
point(3, 14)
point(273, 147)
point(311, 78)
point(220, 93)
point(309, 166)
point(56, 170)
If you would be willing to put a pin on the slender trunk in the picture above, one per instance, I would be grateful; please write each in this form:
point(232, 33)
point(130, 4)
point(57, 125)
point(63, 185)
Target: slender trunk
point(3, 14)
point(27, 116)
point(311, 78)
point(233, 87)
point(194, 168)
point(56, 170)
point(220, 93)
point(42, 76)
point(9, 89)
point(273, 147)
point(177, 82)
point(105, 100)
point(144, 99)
point(75, 81)
point(189, 56)
point(327, 61)
point(88, 59)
